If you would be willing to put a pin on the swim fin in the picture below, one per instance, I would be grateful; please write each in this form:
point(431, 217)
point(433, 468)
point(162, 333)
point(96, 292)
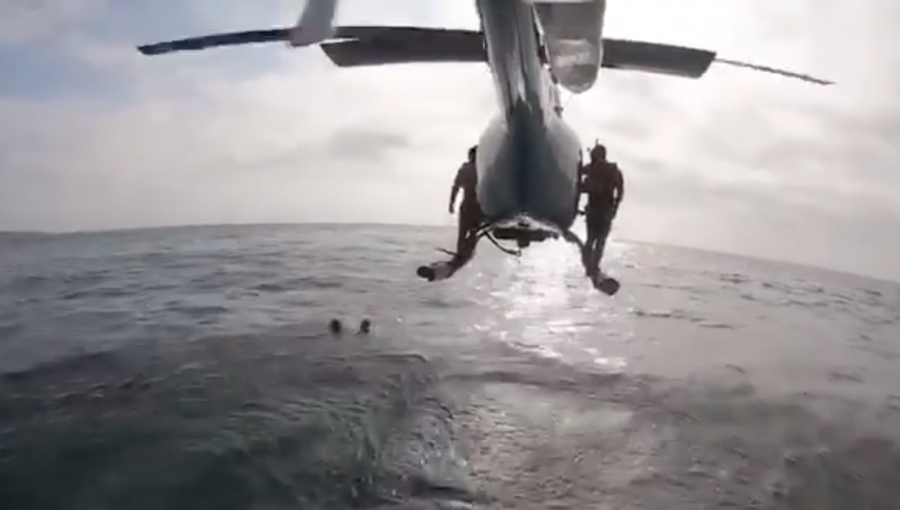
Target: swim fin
point(437, 271)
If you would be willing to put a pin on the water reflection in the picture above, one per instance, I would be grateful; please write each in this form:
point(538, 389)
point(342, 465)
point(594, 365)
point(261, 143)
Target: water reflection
point(543, 304)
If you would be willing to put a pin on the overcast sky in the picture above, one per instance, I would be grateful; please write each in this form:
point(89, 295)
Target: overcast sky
point(92, 135)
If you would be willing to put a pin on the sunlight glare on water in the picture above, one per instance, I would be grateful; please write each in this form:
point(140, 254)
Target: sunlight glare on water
point(546, 306)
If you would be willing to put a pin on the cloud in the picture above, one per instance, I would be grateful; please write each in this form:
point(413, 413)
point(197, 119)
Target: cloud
point(26, 21)
point(92, 135)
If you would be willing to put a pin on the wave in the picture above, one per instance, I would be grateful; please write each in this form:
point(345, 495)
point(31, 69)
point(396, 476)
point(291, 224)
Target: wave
point(307, 420)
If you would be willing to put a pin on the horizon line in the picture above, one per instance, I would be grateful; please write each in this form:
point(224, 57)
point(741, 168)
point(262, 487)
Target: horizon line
point(347, 224)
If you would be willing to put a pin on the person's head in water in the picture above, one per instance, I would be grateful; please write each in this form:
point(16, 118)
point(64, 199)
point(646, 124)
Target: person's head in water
point(334, 326)
point(473, 152)
point(365, 326)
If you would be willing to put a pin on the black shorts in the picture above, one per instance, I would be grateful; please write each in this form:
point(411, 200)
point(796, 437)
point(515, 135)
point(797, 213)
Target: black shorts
point(599, 215)
point(470, 211)
point(599, 224)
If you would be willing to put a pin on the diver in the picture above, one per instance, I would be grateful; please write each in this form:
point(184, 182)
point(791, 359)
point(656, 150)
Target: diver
point(470, 220)
point(470, 215)
point(604, 186)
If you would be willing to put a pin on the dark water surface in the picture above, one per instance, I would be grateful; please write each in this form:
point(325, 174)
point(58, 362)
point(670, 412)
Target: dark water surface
point(187, 368)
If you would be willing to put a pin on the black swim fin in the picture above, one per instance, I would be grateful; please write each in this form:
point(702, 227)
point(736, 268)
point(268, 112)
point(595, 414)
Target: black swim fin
point(437, 271)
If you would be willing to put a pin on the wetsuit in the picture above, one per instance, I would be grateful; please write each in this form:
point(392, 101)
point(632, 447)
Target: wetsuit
point(603, 184)
point(470, 214)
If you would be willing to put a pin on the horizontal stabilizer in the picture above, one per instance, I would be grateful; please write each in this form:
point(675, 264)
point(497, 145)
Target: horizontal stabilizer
point(408, 45)
point(656, 58)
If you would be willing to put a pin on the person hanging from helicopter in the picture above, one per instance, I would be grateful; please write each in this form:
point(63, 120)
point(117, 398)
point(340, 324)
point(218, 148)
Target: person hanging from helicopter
point(470, 214)
point(604, 185)
point(469, 221)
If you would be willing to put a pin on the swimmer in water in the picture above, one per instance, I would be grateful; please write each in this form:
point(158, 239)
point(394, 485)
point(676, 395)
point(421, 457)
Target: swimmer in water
point(365, 326)
point(335, 327)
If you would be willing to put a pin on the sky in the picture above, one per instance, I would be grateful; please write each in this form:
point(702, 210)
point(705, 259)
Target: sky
point(95, 136)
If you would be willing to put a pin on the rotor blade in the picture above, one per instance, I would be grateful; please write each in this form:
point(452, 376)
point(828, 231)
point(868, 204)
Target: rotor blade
point(214, 40)
point(264, 36)
point(316, 23)
point(773, 70)
point(649, 57)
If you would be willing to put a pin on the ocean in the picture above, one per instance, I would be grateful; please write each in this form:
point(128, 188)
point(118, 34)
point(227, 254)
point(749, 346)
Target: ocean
point(191, 368)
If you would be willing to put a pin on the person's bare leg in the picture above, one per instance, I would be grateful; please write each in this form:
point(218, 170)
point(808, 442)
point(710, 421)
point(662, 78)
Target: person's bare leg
point(602, 235)
point(606, 285)
point(465, 250)
point(600, 251)
point(462, 227)
point(470, 219)
point(593, 241)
